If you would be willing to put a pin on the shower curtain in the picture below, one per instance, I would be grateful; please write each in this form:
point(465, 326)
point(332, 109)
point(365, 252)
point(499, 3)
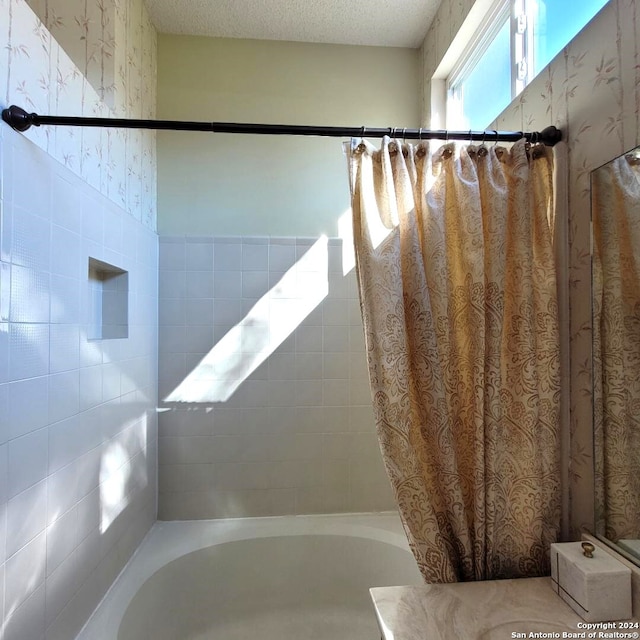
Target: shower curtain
point(455, 266)
point(616, 353)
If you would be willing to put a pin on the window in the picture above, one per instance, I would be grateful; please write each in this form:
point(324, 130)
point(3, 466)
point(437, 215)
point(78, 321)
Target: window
point(517, 39)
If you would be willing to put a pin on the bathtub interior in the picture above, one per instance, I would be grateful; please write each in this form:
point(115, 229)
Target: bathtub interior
point(301, 587)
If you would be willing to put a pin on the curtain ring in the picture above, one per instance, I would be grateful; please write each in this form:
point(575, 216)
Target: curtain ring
point(405, 151)
point(363, 132)
point(482, 151)
point(470, 137)
point(497, 137)
point(421, 152)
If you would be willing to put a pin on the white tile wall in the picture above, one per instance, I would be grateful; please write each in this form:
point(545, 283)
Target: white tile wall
point(69, 405)
point(297, 436)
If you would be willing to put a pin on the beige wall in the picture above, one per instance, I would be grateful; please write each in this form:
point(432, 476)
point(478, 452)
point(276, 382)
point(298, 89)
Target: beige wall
point(592, 92)
point(297, 436)
point(237, 185)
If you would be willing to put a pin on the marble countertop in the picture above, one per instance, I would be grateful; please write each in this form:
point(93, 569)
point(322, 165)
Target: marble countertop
point(489, 610)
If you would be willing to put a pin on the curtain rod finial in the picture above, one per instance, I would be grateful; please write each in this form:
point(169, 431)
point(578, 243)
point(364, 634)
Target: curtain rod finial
point(17, 118)
point(550, 136)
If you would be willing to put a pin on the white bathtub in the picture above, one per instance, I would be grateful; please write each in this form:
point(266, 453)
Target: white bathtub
point(291, 577)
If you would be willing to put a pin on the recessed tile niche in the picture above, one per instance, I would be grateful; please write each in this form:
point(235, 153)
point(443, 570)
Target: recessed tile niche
point(108, 300)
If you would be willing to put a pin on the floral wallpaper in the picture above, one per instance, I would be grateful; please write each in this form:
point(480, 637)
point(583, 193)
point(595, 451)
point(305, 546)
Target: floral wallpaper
point(86, 33)
point(95, 59)
point(593, 94)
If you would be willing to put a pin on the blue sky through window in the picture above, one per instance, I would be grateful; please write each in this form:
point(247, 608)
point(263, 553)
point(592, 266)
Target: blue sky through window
point(556, 23)
point(487, 89)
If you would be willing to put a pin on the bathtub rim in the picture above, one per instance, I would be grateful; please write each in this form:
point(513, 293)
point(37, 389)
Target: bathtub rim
point(167, 541)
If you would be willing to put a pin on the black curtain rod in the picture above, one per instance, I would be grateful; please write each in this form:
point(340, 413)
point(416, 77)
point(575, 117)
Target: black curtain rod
point(20, 120)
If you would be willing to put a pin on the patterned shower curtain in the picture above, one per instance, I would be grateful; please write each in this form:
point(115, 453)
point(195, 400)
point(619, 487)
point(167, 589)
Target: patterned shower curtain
point(616, 354)
point(455, 265)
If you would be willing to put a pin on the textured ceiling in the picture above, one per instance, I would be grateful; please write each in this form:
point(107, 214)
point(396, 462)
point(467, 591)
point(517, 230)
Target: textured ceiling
point(391, 23)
